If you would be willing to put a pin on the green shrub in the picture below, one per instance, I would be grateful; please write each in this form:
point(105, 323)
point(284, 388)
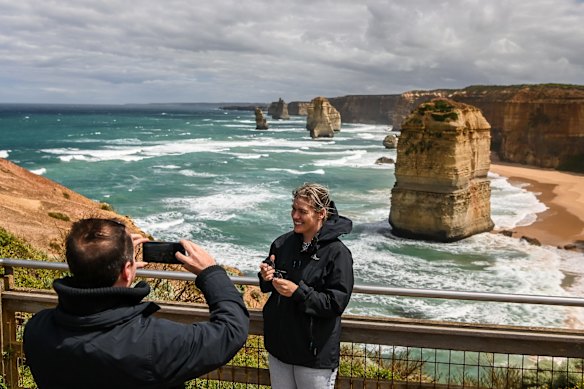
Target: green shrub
point(14, 247)
point(106, 207)
point(59, 216)
point(17, 248)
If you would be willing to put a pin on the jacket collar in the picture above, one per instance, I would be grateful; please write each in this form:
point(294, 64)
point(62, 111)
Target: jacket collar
point(334, 227)
point(99, 306)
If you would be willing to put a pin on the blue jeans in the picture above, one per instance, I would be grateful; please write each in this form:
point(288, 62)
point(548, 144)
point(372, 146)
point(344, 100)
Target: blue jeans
point(285, 376)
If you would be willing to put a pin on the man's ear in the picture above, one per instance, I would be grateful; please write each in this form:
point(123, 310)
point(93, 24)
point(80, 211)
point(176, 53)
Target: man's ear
point(126, 275)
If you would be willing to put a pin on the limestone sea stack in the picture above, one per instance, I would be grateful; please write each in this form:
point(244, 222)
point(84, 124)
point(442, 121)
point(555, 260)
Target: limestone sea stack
point(281, 111)
point(261, 122)
point(322, 119)
point(441, 191)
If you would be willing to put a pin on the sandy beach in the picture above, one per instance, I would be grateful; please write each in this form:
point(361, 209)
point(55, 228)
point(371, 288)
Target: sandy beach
point(562, 224)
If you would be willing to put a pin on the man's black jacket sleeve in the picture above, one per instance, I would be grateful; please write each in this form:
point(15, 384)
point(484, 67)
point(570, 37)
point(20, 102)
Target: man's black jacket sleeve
point(188, 351)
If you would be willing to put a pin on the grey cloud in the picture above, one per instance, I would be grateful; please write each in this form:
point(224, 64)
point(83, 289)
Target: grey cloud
point(119, 51)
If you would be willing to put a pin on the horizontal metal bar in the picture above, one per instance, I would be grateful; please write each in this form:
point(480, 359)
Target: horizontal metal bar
point(561, 342)
point(365, 289)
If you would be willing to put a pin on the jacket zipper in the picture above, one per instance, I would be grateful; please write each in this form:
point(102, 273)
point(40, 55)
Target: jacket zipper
point(311, 345)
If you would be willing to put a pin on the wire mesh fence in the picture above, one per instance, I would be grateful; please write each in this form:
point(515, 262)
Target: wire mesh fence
point(375, 352)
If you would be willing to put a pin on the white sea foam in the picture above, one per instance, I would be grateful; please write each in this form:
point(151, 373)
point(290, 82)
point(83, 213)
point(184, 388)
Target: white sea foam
point(296, 172)
point(216, 219)
point(250, 156)
point(358, 159)
point(485, 262)
point(126, 141)
point(365, 128)
point(168, 226)
point(118, 153)
point(145, 150)
point(349, 160)
point(224, 205)
point(512, 205)
point(192, 173)
point(166, 166)
point(4, 153)
point(39, 172)
point(246, 259)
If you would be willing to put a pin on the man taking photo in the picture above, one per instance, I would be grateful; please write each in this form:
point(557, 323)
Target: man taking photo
point(101, 334)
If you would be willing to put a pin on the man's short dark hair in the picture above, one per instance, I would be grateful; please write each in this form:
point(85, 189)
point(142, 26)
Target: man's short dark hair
point(97, 250)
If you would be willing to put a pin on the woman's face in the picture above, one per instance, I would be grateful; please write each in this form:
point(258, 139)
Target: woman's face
point(306, 220)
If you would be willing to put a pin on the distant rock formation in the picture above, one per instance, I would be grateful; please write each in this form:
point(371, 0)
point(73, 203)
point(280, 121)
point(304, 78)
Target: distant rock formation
point(245, 107)
point(323, 119)
point(384, 160)
point(540, 125)
point(441, 191)
point(390, 141)
point(407, 101)
point(373, 109)
point(280, 111)
point(261, 122)
point(272, 108)
point(298, 108)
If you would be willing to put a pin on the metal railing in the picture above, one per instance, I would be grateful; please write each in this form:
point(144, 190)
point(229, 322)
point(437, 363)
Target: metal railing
point(377, 352)
point(375, 290)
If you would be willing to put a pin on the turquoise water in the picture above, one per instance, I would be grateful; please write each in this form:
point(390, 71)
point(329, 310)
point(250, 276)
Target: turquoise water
point(208, 175)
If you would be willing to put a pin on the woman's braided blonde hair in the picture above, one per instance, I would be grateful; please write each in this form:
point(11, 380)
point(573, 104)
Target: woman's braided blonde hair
point(317, 195)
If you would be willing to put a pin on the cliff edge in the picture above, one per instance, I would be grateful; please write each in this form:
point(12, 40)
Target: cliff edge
point(41, 211)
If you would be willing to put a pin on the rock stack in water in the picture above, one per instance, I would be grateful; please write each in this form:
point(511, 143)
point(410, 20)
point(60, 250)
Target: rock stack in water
point(261, 123)
point(322, 119)
point(441, 191)
point(281, 110)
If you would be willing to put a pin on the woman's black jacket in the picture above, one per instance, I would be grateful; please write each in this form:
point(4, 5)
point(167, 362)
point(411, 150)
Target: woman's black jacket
point(305, 329)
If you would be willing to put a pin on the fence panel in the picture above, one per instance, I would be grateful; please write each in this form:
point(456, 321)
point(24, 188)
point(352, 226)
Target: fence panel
point(375, 353)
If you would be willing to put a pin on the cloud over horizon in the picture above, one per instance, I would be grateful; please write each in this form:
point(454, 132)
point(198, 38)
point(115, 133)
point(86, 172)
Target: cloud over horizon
point(67, 51)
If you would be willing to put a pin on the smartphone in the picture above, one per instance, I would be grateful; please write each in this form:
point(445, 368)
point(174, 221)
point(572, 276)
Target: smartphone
point(161, 252)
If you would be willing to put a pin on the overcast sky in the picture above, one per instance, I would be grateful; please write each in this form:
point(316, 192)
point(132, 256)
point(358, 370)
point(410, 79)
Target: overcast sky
point(124, 51)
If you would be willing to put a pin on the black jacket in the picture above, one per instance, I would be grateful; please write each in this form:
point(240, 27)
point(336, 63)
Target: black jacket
point(108, 338)
point(305, 329)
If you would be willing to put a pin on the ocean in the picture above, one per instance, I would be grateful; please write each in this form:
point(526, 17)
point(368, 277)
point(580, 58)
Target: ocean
point(205, 174)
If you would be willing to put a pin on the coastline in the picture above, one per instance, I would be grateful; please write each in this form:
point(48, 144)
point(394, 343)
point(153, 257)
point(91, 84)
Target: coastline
point(562, 224)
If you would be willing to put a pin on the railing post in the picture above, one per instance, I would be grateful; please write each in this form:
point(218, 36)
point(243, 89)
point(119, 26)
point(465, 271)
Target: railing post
point(8, 279)
point(2, 288)
point(8, 333)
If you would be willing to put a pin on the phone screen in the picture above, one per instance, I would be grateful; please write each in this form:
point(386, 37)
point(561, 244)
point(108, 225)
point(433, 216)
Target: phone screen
point(161, 252)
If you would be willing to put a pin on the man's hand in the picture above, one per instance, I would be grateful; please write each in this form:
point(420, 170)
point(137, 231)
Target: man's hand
point(197, 259)
point(136, 240)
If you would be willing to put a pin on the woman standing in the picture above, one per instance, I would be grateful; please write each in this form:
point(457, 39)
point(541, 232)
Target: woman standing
point(309, 273)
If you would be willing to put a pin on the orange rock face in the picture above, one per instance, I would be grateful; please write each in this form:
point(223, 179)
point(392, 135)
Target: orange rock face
point(323, 119)
point(540, 125)
point(441, 191)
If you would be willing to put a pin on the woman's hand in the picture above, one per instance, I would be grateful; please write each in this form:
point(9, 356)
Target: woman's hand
point(285, 287)
point(266, 270)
